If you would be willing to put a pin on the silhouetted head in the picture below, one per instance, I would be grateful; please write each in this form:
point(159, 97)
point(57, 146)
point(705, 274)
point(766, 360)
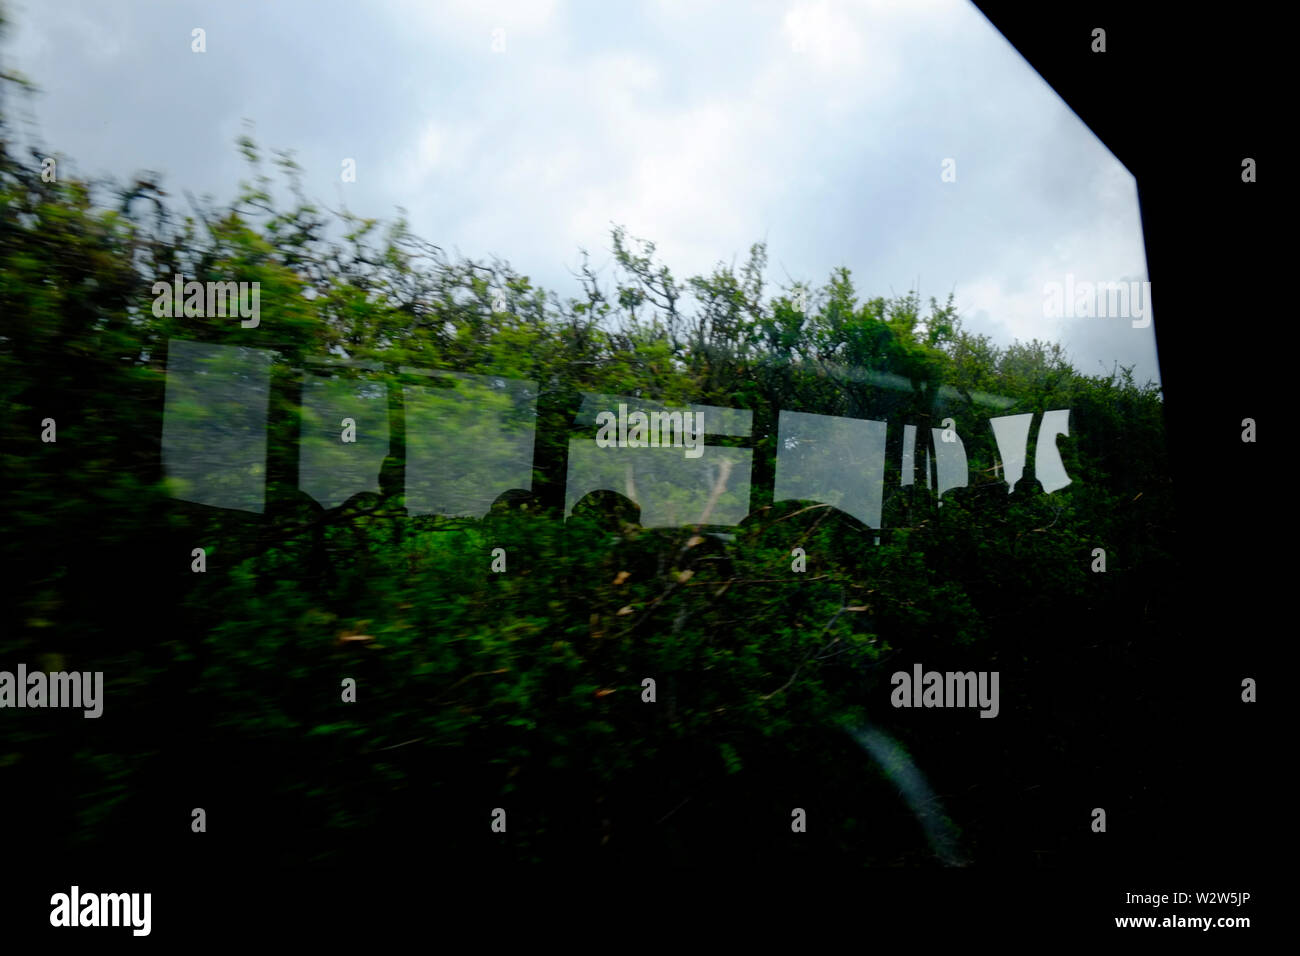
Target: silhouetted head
point(608, 510)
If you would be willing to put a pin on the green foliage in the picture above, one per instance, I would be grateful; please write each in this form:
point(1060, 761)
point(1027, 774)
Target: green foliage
point(524, 685)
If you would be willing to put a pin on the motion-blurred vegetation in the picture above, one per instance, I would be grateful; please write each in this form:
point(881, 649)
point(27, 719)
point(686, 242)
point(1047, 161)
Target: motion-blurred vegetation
point(522, 690)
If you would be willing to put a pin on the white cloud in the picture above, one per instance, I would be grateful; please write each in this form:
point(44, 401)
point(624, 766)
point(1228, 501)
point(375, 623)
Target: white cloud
point(692, 122)
point(448, 16)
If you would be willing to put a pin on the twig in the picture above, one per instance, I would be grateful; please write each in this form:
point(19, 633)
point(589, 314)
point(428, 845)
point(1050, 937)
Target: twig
point(672, 811)
point(819, 577)
point(499, 670)
point(415, 740)
point(834, 617)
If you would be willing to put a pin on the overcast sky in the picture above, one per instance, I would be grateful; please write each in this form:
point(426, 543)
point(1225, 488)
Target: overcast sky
point(821, 127)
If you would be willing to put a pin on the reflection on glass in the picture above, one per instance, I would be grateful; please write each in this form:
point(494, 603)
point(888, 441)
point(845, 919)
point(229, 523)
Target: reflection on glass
point(1012, 435)
point(909, 456)
point(950, 461)
point(838, 461)
point(670, 489)
point(468, 439)
point(214, 424)
point(1048, 467)
point(332, 468)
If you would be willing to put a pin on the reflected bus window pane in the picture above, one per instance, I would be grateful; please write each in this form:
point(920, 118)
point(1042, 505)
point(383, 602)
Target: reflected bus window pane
point(950, 461)
point(468, 440)
point(330, 468)
point(670, 489)
point(214, 424)
point(838, 461)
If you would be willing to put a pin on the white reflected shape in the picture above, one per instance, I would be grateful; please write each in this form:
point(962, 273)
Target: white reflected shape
point(1012, 435)
point(214, 424)
point(670, 489)
point(950, 461)
point(1048, 467)
point(468, 443)
point(838, 461)
point(909, 454)
point(330, 470)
